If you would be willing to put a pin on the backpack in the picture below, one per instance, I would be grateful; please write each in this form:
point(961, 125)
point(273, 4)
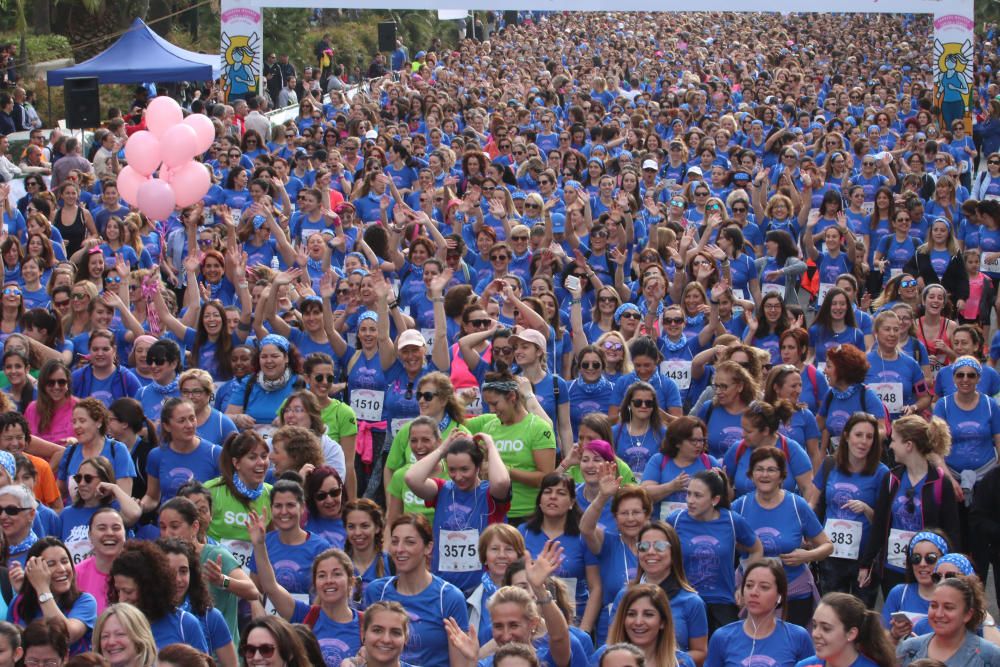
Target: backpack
point(68, 456)
point(705, 461)
point(814, 379)
point(313, 615)
point(742, 448)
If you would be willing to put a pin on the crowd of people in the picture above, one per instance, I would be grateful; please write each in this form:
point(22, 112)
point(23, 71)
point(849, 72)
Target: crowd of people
point(611, 339)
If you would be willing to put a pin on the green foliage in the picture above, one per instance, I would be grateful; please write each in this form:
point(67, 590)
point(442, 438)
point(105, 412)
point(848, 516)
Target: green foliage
point(285, 32)
point(48, 47)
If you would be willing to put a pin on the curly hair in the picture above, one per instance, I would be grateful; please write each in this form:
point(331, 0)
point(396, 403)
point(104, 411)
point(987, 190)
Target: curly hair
point(850, 363)
point(147, 565)
point(197, 592)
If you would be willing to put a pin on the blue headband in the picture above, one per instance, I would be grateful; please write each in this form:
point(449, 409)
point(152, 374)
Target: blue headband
point(312, 298)
point(258, 221)
point(933, 538)
point(359, 272)
point(279, 342)
point(944, 221)
point(368, 315)
point(361, 258)
point(624, 308)
point(959, 561)
point(7, 461)
point(573, 184)
point(967, 361)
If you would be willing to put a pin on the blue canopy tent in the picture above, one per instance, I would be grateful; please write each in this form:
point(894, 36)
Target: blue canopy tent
point(140, 55)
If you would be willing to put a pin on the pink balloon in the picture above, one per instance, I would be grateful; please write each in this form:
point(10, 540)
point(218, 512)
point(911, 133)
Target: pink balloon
point(179, 145)
point(129, 182)
point(190, 183)
point(156, 199)
point(162, 114)
point(202, 127)
point(142, 152)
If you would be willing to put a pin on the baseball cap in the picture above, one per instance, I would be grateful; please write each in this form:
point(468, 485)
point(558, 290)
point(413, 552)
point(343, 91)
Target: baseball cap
point(650, 164)
point(696, 170)
point(530, 336)
point(410, 337)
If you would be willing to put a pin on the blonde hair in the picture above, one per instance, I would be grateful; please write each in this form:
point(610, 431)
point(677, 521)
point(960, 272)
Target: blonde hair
point(136, 625)
point(504, 532)
point(928, 437)
point(518, 596)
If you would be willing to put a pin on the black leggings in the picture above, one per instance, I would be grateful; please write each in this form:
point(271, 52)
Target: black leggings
point(720, 614)
point(841, 575)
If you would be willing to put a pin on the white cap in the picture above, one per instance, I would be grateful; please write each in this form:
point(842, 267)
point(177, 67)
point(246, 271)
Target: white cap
point(651, 164)
point(371, 134)
point(695, 170)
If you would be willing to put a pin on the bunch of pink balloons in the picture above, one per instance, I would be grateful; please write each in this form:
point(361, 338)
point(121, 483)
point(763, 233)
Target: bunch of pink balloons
point(167, 148)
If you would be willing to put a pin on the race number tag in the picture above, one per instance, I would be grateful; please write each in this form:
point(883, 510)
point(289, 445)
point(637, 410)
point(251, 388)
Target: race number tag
point(868, 207)
point(428, 335)
point(240, 550)
point(896, 551)
point(475, 404)
point(895, 272)
point(396, 425)
point(771, 288)
point(367, 404)
point(459, 551)
point(668, 507)
point(845, 536)
point(678, 370)
point(891, 394)
point(992, 266)
point(299, 597)
point(266, 431)
point(570, 587)
point(824, 288)
point(79, 550)
point(740, 294)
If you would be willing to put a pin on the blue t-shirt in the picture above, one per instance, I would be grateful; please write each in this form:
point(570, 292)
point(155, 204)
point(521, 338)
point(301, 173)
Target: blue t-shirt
point(944, 382)
point(122, 383)
point(782, 529)
point(724, 428)
point(428, 642)
point(860, 661)
point(331, 530)
point(795, 455)
point(730, 646)
point(179, 627)
point(972, 432)
point(636, 450)
point(841, 488)
point(709, 550)
point(152, 397)
point(208, 353)
point(821, 339)
point(888, 378)
point(576, 558)
point(217, 427)
point(337, 641)
point(683, 659)
point(619, 566)
point(837, 411)
point(689, 616)
point(661, 469)
point(667, 394)
point(292, 563)
point(115, 452)
point(585, 399)
point(903, 597)
point(83, 610)
point(261, 404)
point(801, 428)
point(174, 470)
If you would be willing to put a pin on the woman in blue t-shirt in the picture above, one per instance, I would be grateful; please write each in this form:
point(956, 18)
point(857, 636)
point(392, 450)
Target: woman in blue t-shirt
point(763, 638)
point(734, 389)
point(90, 427)
point(834, 619)
point(787, 527)
point(710, 535)
point(332, 620)
point(649, 621)
point(681, 456)
point(95, 488)
point(848, 484)
point(254, 402)
point(835, 325)
point(846, 369)
point(784, 382)
point(428, 599)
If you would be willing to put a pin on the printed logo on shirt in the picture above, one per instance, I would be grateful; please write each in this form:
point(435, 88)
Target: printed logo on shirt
point(231, 518)
point(287, 574)
point(178, 477)
point(334, 651)
point(704, 558)
point(510, 445)
point(843, 493)
point(759, 661)
point(769, 538)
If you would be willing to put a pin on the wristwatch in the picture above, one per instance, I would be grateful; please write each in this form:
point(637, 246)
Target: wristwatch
point(45, 597)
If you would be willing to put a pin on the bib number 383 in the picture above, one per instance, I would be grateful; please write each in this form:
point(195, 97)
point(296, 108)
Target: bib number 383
point(845, 536)
point(459, 551)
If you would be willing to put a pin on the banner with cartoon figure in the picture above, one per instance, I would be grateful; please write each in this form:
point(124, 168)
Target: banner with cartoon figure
point(241, 49)
point(952, 63)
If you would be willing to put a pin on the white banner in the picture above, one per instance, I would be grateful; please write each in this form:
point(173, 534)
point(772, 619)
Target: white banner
point(242, 48)
point(452, 14)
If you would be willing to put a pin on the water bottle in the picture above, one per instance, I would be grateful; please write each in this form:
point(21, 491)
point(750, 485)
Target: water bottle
point(274, 263)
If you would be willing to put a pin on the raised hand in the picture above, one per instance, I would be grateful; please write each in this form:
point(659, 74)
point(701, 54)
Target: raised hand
point(256, 528)
point(465, 641)
point(610, 481)
point(541, 568)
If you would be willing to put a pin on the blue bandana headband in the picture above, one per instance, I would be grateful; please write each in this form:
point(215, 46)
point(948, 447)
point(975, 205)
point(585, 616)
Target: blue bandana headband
point(279, 342)
point(959, 561)
point(361, 258)
point(969, 362)
point(624, 308)
point(368, 315)
point(933, 538)
point(7, 461)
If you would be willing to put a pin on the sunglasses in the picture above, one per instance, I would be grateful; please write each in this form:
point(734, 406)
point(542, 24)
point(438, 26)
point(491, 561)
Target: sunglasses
point(660, 546)
point(113, 279)
point(156, 361)
point(643, 403)
point(606, 299)
point(632, 315)
point(84, 478)
point(591, 365)
point(11, 291)
point(966, 376)
point(938, 576)
point(930, 559)
point(58, 382)
point(498, 258)
point(611, 345)
point(531, 206)
point(426, 396)
point(600, 234)
point(480, 323)
point(908, 283)
point(332, 493)
point(518, 238)
point(204, 242)
point(13, 511)
point(61, 304)
point(993, 162)
point(266, 651)
point(673, 320)
point(328, 378)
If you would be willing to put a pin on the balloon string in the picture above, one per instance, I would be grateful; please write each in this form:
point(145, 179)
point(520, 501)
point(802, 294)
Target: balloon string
point(149, 288)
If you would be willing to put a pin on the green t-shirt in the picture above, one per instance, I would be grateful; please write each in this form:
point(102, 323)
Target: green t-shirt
point(340, 420)
point(5, 383)
point(516, 444)
point(411, 502)
point(628, 477)
point(400, 454)
point(229, 519)
point(224, 600)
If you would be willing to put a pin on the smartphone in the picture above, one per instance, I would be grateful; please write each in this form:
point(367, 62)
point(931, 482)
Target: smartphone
point(900, 617)
point(572, 283)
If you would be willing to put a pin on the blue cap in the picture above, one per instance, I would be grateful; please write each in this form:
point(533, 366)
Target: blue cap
point(558, 223)
point(519, 195)
point(420, 54)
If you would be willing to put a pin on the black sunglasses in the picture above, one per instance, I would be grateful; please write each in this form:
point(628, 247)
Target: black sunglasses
point(320, 377)
point(426, 395)
point(83, 478)
point(643, 403)
point(13, 511)
point(332, 493)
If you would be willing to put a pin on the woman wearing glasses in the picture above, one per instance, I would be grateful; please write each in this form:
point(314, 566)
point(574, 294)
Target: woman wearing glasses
point(787, 527)
point(302, 410)
point(907, 603)
point(641, 427)
point(917, 495)
point(761, 423)
point(95, 489)
point(986, 186)
point(164, 360)
point(197, 387)
point(897, 378)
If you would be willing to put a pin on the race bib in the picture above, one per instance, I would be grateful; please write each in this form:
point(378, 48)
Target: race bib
point(771, 288)
point(396, 425)
point(352, 339)
point(570, 587)
point(896, 551)
point(79, 550)
point(475, 406)
point(678, 370)
point(428, 335)
point(891, 394)
point(740, 294)
point(458, 551)
point(668, 507)
point(992, 266)
point(824, 288)
point(894, 272)
point(845, 536)
point(241, 550)
point(266, 431)
point(367, 404)
point(821, 367)
point(299, 597)
point(868, 207)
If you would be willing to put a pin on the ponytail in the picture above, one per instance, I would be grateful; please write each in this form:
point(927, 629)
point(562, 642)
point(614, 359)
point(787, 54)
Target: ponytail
point(939, 436)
